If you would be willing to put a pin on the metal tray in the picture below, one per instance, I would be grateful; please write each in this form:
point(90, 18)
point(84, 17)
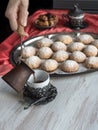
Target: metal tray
point(14, 55)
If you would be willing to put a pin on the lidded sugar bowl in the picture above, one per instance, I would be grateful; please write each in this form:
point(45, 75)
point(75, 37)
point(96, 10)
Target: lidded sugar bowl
point(75, 18)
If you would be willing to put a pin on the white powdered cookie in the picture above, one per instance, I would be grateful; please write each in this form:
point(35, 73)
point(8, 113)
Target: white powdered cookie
point(60, 56)
point(49, 65)
point(95, 43)
point(28, 51)
point(90, 50)
point(66, 39)
point(58, 46)
point(45, 52)
point(86, 38)
point(91, 62)
point(69, 66)
point(78, 56)
point(33, 62)
point(44, 42)
point(76, 46)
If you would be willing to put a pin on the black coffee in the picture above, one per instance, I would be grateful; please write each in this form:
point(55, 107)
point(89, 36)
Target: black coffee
point(38, 81)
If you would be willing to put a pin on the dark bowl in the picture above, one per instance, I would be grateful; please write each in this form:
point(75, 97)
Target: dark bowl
point(42, 27)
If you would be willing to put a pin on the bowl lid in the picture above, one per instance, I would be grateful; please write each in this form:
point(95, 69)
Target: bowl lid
point(76, 11)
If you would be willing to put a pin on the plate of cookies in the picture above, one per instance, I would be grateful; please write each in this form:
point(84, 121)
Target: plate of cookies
point(60, 53)
point(46, 21)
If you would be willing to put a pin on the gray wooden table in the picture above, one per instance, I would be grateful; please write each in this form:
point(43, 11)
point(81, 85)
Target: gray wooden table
point(75, 107)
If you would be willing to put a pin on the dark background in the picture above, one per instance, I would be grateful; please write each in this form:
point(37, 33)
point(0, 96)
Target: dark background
point(86, 5)
point(5, 29)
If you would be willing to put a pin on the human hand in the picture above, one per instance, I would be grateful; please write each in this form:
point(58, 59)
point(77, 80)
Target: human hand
point(17, 13)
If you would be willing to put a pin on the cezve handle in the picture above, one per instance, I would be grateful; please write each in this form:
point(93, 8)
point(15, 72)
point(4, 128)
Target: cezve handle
point(21, 31)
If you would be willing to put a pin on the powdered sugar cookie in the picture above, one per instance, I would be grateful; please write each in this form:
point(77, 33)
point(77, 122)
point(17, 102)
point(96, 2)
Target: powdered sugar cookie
point(28, 51)
point(78, 56)
point(91, 62)
point(70, 66)
point(45, 52)
point(49, 65)
point(44, 42)
point(86, 38)
point(95, 43)
point(33, 62)
point(58, 46)
point(66, 39)
point(76, 46)
point(90, 50)
point(60, 56)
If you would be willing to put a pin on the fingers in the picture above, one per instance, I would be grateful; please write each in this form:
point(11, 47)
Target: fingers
point(13, 22)
point(11, 14)
point(23, 14)
point(17, 13)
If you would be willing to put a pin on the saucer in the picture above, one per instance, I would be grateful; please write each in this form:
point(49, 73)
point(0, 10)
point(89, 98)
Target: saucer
point(84, 25)
point(31, 97)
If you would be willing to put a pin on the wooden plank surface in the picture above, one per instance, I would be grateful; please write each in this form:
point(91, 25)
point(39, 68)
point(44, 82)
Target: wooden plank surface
point(75, 107)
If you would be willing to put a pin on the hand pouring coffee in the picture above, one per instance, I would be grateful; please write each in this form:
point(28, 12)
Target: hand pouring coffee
point(17, 78)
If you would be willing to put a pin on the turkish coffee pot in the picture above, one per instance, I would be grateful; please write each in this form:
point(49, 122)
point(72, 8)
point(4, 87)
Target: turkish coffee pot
point(18, 76)
point(75, 18)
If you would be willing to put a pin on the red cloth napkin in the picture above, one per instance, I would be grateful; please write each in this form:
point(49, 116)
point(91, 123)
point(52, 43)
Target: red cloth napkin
point(13, 40)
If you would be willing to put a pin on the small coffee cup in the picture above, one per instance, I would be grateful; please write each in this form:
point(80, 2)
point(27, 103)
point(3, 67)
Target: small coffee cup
point(39, 79)
point(38, 85)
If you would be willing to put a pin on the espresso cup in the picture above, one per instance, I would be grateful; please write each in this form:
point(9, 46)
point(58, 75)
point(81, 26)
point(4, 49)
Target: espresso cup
point(39, 79)
point(38, 85)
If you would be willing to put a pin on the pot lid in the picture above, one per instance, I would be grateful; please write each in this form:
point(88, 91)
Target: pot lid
point(76, 11)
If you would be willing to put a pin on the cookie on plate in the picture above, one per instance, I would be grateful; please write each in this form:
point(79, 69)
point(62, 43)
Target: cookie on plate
point(49, 65)
point(60, 56)
point(76, 46)
point(95, 43)
point(33, 62)
point(90, 50)
point(44, 52)
point(66, 39)
point(28, 51)
point(69, 66)
point(86, 38)
point(78, 56)
point(44, 42)
point(91, 62)
point(58, 46)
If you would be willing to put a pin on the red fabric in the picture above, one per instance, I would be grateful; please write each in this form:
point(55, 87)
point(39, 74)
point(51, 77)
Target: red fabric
point(13, 40)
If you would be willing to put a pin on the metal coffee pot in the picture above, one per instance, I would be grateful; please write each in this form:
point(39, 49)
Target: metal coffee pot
point(75, 18)
point(18, 76)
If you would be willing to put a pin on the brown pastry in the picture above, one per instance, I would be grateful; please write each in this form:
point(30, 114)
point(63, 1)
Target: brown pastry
point(46, 20)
